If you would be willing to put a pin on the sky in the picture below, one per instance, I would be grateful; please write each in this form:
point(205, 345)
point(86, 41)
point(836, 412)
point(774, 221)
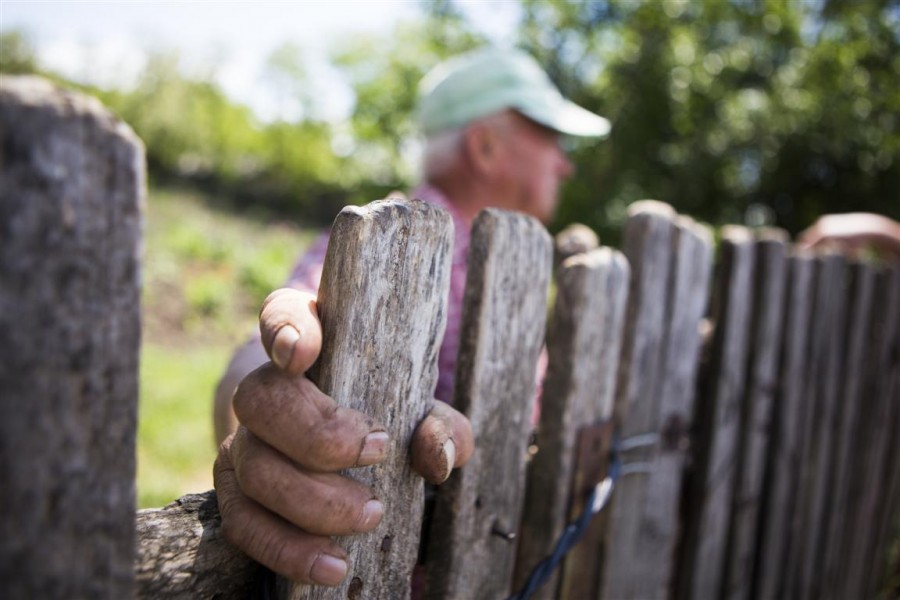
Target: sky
point(105, 42)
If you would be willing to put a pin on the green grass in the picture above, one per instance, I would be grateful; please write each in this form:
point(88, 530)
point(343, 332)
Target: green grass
point(175, 438)
point(205, 274)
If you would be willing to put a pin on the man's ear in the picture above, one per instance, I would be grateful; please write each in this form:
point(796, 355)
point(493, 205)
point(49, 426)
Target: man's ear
point(482, 148)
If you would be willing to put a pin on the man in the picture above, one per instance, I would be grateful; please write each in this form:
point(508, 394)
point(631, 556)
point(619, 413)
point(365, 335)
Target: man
point(492, 121)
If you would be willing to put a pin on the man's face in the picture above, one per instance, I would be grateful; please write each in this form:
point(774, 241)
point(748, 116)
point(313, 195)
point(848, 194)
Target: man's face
point(537, 167)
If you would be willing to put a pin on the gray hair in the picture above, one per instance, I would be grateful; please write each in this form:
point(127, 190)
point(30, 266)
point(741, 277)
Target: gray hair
point(442, 151)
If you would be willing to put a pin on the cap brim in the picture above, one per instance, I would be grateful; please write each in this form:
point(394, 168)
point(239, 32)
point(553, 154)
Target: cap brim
point(571, 119)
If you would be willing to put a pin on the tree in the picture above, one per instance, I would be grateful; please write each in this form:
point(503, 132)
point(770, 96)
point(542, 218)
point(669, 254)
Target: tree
point(763, 112)
point(776, 111)
point(384, 71)
point(16, 53)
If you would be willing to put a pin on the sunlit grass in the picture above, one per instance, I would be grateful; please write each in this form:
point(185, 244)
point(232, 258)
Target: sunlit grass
point(205, 274)
point(175, 438)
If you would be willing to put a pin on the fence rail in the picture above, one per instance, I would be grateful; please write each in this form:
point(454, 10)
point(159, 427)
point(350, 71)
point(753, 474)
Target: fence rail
point(765, 394)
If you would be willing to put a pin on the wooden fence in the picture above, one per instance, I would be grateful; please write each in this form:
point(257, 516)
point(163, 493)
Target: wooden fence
point(753, 406)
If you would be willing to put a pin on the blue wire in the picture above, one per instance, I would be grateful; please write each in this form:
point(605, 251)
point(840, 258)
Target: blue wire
point(571, 534)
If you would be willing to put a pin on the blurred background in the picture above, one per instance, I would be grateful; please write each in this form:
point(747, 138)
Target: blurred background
point(261, 120)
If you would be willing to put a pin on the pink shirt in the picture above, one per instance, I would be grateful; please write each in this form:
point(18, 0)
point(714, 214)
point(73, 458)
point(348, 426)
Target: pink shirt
point(308, 272)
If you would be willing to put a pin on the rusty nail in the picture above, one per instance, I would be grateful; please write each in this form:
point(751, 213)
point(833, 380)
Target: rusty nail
point(500, 532)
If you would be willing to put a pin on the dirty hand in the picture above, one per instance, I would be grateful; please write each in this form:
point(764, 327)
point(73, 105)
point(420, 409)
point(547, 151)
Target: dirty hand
point(280, 495)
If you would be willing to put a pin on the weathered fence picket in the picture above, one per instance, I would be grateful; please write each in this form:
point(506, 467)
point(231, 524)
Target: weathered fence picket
point(71, 196)
point(583, 343)
point(718, 422)
point(687, 303)
point(789, 487)
point(885, 527)
point(662, 340)
point(478, 510)
point(824, 375)
point(877, 469)
point(888, 388)
point(756, 408)
point(779, 505)
point(859, 313)
point(382, 303)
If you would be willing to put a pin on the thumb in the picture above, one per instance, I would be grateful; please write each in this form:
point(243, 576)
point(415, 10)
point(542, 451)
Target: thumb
point(290, 329)
point(441, 442)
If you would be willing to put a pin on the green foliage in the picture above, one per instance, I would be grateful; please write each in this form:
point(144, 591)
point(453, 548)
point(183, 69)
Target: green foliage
point(16, 54)
point(176, 447)
point(203, 267)
point(384, 71)
point(766, 112)
point(193, 132)
point(786, 110)
point(205, 275)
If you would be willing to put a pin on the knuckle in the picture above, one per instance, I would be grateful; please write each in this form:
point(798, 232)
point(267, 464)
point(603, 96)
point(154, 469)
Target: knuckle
point(242, 402)
point(253, 479)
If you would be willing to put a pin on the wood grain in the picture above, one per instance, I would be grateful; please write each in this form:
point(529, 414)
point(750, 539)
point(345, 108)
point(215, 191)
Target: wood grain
point(645, 524)
point(779, 513)
point(181, 554)
point(502, 334)
point(71, 199)
point(825, 379)
point(583, 344)
point(718, 421)
point(856, 356)
point(875, 452)
point(756, 407)
point(382, 303)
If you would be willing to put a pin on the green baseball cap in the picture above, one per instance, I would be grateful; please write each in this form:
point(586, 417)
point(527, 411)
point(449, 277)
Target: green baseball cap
point(487, 81)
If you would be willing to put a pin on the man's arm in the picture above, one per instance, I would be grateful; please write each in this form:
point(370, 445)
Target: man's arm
point(279, 491)
point(245, 359)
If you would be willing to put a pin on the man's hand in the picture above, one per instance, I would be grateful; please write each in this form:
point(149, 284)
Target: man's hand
point(280, 496)
point(854, 232)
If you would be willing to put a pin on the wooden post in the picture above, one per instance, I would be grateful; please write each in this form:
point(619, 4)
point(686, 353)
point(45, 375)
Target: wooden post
point(71, 194)
point(858, 353)
point(181, 554)
point(824, 376)
point(583, 343)
point(756, 407)
point(783, 462)
point(382, 303)
point(671, 259)
point(875, 483)
point(687, 303)
point(479, 509)
point(718, 421)
point(888, 390)
point(647, 243)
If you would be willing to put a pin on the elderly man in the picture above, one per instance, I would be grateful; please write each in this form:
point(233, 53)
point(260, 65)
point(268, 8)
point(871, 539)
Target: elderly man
point(492, 121)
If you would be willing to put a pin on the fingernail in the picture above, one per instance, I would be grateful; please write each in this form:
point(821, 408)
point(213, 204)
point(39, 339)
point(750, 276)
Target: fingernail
point(371, 515)
point(283, 346)
point(449, 452)
point(374, 448)
point(328, 570)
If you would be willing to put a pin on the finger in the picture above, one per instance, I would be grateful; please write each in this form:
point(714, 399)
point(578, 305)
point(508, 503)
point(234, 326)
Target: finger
point(290, 329)
point(292, 415)
point(271, 540)
point(319, 503)
point(441, 442)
